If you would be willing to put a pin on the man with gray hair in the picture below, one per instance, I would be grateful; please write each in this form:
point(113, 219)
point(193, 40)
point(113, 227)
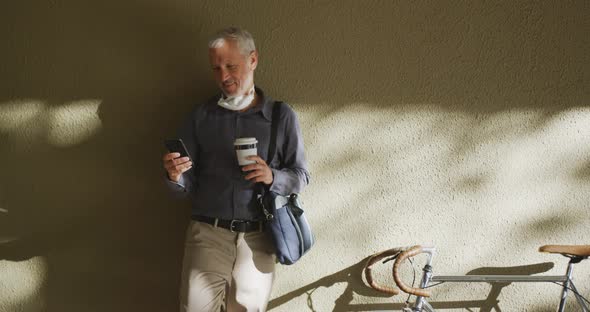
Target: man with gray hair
point(229, 258)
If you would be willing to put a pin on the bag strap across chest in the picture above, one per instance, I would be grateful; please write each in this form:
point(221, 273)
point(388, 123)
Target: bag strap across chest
point(274, 127)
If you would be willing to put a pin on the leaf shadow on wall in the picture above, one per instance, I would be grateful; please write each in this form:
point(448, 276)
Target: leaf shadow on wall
point(420, 53)
point(583, 172)
point(96, 211)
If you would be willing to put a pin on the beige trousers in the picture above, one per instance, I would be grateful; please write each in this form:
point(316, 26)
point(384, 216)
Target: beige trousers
point(225, 271)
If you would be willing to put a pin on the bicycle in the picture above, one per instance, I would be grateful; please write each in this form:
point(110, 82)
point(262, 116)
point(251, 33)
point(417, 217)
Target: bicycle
point(576, 253)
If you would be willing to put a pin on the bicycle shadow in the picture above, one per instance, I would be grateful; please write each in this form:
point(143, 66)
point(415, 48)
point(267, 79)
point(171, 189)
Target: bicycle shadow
point(352, 276)
point(355, 285)
point(492, 302)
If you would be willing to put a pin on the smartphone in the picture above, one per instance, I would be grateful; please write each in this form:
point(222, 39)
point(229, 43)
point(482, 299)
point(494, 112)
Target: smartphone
point(177, 146)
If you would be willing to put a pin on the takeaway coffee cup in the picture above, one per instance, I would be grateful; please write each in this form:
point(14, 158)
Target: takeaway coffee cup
point(245, 147)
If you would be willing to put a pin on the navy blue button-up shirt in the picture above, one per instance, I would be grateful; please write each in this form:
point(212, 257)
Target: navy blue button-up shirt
point(216, 183)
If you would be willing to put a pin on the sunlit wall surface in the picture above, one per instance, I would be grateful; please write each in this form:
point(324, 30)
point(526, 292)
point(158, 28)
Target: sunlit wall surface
point(463, 125)
point(65, 125)
point(21, 285)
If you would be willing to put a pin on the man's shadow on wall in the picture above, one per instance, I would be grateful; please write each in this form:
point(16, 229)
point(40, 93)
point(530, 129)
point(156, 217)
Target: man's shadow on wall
point(355, 285)
point(96, 211)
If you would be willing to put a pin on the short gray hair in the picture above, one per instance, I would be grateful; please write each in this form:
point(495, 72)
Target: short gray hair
point(241, 36)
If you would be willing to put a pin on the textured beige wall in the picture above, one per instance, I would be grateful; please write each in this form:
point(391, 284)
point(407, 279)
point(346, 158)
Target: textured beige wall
point(463, 124)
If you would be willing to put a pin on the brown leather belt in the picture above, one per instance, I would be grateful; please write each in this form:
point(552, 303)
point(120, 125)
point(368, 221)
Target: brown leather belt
point(243, 226)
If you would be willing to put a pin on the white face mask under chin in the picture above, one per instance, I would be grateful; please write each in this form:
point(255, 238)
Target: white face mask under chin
point(237, 103)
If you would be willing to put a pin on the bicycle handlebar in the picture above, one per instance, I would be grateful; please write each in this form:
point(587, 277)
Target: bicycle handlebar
point(368, 271)
point(410, 252)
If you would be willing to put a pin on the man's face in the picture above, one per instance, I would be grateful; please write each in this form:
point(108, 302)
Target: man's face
point(234, 72)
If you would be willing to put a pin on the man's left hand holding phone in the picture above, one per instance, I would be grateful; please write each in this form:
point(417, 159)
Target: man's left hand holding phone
point(178, 160)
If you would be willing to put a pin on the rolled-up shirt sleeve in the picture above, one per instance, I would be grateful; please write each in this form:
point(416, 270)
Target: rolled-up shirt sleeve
point(292, 175)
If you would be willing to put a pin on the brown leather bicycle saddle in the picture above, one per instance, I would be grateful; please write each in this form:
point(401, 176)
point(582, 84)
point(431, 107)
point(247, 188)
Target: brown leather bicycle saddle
point(569, 250)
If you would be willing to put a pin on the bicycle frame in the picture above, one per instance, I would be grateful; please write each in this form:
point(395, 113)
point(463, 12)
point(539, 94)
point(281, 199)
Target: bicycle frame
point(421, 303)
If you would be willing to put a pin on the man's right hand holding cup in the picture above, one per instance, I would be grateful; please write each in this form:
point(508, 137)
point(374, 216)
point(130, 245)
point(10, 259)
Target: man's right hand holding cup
point(176, 165)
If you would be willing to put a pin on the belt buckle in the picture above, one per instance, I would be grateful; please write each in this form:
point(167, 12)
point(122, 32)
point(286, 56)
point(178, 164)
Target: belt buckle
point(231, 225)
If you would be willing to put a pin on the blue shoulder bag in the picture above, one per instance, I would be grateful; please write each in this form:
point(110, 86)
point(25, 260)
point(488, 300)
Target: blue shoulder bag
point(285, 218)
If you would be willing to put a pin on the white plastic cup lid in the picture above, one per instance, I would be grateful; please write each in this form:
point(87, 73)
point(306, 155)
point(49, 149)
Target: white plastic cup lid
point(245, 141)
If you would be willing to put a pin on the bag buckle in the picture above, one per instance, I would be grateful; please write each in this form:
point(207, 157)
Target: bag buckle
point(267, 214)
point(231, 225)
